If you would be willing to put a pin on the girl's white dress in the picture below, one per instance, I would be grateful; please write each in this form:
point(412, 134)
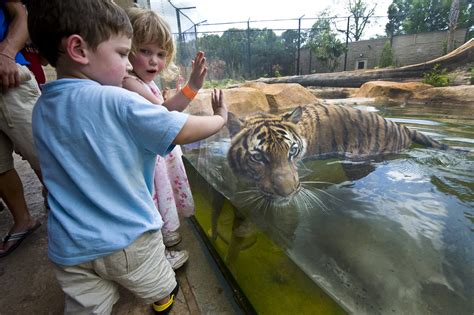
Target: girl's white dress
point(172, 193)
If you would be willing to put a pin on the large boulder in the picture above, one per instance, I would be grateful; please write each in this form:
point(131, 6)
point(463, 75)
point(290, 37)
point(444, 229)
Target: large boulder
point(254, 97)
point(389, 90)
point(241, 100)
point(458, 95)
point(281, 96)
point(417, 92)
point(333, 92)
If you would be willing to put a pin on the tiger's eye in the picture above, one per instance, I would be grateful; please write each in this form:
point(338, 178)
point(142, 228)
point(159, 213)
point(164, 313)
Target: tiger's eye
point(257, 157)
point(294, 150)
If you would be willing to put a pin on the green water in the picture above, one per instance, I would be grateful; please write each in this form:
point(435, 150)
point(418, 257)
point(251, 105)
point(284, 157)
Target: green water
point(271, 281)
point(392, 235)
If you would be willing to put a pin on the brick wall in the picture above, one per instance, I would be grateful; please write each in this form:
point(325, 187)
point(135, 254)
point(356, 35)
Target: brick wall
point(407, 49)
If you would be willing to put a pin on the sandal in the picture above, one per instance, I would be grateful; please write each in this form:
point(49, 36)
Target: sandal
point(17, 238)
point(166, 308)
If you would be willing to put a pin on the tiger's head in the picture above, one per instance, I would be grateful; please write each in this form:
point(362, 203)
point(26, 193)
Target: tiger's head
point(265, 149)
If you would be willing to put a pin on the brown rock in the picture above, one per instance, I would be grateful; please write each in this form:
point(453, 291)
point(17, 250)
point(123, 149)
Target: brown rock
point(333, 92)
point(241, 100)
point(463, 94)
point(282, 96)
point(391, 90)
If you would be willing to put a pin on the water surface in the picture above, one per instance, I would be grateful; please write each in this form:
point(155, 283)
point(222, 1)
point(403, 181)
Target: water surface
point(392, 235)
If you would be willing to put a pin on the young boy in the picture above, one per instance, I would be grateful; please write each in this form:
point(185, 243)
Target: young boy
point(97, 145)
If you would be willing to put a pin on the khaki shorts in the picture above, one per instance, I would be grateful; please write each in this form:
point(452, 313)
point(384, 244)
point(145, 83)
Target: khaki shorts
point(16, 107)
point(142, 268)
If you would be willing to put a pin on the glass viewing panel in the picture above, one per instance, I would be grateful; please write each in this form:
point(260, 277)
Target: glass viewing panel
point(386, 235)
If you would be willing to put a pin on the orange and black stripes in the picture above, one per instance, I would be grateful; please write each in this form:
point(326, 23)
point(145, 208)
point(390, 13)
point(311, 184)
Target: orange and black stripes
point(318, 131)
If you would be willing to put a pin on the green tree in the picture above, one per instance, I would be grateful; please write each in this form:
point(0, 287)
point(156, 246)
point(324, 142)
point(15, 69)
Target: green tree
point(289, 40)
point(360, 16)
point(415, 16)
point(323, 42)
point(234, 52)
point(210, 43)
point(386, 58)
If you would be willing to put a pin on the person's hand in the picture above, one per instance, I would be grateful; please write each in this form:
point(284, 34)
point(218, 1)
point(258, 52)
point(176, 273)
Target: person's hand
point(198, 72)
point(165, 92)
point(179, 82)
point(218, 105)
point(9, 75)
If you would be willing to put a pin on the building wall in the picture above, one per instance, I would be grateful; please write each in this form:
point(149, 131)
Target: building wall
point(124, 3)
point(407, 49)
point(411, 49)
point(128, 3)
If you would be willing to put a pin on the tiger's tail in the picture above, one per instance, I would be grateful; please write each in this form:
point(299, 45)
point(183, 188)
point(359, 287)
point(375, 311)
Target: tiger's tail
point(420, 138)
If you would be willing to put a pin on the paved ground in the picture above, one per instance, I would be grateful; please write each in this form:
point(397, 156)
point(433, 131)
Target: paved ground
point(28, 285)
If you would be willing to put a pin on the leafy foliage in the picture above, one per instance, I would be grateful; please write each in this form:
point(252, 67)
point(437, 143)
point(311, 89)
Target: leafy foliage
point(437, 77)
point(416, 16)
point(221, 84)
point(386, 58)
point(360, 17)
point(323, 41)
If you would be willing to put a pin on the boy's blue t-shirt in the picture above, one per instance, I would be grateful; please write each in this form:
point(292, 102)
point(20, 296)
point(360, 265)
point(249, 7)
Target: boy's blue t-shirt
point(97, 147)
point(3, 32)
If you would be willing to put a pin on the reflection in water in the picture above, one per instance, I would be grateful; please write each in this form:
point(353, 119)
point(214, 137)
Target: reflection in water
point(383, 236)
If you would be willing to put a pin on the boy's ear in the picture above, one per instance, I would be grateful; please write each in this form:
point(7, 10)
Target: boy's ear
point(76, 48)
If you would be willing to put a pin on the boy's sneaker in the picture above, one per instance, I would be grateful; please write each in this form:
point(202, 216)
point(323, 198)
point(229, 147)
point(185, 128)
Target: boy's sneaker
point(166, 308)
point(171, 238)
point(176, 258)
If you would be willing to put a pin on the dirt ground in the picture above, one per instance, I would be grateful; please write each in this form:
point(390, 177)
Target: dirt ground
point(28, 285)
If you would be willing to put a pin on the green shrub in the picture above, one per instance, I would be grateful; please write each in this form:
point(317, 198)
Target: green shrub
point(221, 84)
point(437, 76)
point(386, 58)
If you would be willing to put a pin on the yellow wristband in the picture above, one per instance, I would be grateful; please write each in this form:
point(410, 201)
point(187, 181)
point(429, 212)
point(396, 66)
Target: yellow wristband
point(188, 92)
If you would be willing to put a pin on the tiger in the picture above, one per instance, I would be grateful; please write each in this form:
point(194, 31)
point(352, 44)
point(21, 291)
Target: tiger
point(265, 148)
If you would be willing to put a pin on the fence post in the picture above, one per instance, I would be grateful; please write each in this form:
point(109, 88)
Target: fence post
point(248, 50)
point(299, 47)
point(347, 42)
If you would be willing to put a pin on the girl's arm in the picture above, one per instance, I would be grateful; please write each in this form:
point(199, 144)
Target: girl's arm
point(180, 101)
point(200, 127)
point(136, 86)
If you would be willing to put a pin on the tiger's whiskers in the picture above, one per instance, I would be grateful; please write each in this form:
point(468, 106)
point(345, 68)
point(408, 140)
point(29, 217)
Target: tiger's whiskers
point(311, 199)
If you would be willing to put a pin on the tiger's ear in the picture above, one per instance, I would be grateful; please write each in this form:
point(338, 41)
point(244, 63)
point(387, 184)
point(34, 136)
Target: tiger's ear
point(294, 116)
point(234, 124)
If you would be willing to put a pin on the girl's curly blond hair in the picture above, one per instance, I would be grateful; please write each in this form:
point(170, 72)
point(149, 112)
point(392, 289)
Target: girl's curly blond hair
point(150, 28)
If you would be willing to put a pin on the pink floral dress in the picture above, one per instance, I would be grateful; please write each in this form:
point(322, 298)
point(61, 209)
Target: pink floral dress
point(172, 193)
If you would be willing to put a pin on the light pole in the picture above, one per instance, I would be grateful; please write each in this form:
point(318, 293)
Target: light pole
point(196, 33)
point(178, 13)
point(180, 34)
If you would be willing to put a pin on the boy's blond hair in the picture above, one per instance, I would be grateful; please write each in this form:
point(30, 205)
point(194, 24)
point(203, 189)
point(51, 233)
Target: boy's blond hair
point(151, 28)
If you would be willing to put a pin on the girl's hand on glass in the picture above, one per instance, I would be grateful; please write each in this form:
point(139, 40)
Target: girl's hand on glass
point(198, 72)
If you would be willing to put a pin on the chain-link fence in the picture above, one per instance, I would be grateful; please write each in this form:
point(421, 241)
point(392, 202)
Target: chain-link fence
point(250, 49)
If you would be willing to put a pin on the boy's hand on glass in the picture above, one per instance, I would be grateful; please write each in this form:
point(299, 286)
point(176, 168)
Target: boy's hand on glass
point(198, 72)
point(218, 105)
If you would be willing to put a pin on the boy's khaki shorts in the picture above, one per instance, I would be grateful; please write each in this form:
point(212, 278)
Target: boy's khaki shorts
point(16, 107)
point(142, 268)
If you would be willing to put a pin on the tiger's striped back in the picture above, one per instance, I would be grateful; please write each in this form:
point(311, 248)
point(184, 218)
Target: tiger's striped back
point(265, 148)
point(344, 131)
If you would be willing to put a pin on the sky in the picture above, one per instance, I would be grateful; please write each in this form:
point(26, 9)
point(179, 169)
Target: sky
point(223, 11)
